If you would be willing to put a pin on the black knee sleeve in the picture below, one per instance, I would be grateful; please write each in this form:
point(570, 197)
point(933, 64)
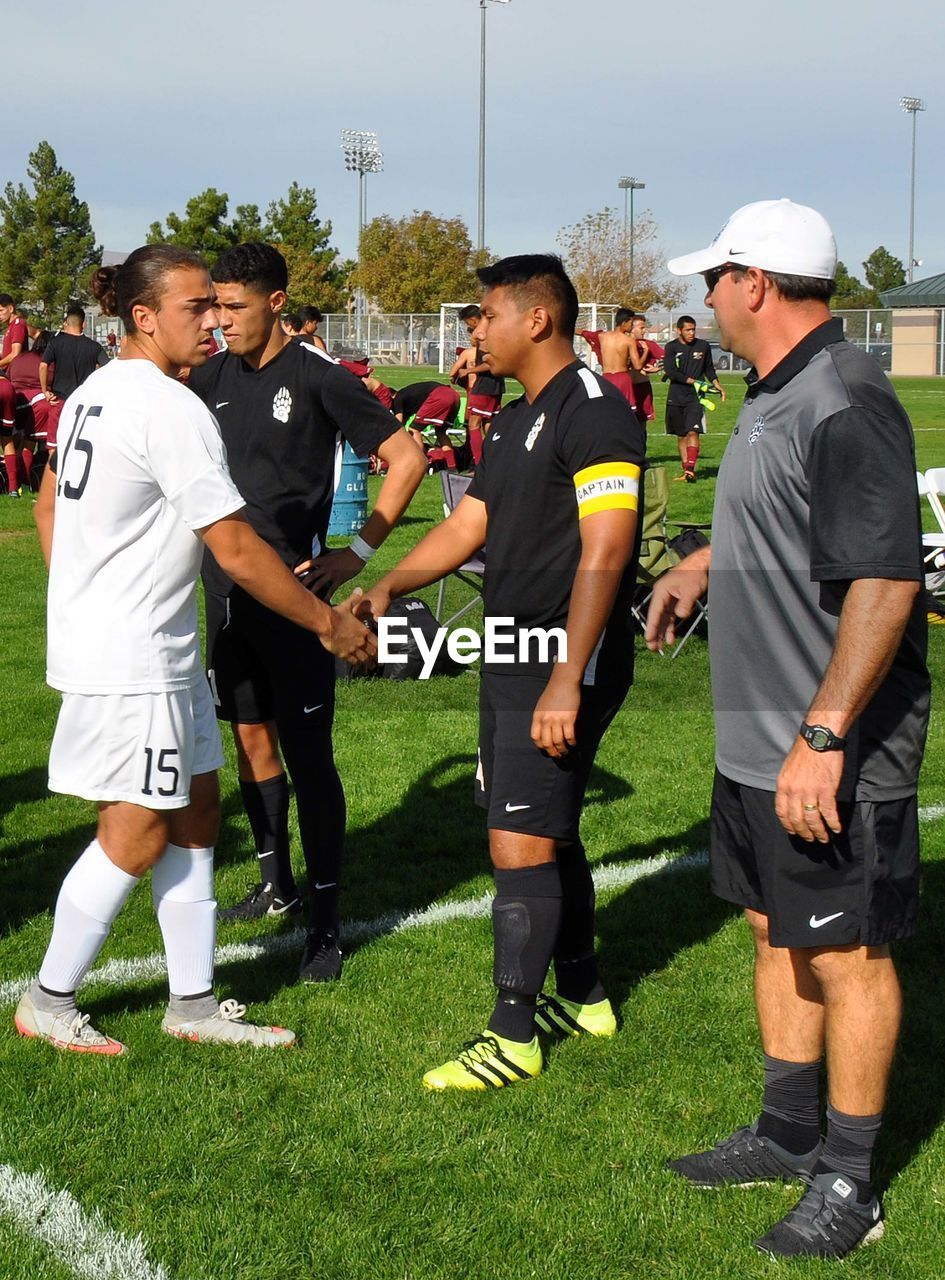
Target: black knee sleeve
point(526, 914)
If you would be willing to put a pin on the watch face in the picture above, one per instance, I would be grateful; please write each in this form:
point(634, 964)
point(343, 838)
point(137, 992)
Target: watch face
point(819, 739)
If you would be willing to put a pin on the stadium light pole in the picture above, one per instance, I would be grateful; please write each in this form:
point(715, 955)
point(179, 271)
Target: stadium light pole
point(481, 234)
point(912, 106)
point(628, 186)
point(362, 156)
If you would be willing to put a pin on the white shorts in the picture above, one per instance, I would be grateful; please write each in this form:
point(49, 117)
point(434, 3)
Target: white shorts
point(142, 748)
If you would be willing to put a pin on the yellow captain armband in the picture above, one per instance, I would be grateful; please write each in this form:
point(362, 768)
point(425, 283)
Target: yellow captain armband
point(608, 486)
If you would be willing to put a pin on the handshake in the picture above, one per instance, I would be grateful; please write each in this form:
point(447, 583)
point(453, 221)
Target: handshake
point(704, 389)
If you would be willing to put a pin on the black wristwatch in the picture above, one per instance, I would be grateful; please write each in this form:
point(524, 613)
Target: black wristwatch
point(819, 738)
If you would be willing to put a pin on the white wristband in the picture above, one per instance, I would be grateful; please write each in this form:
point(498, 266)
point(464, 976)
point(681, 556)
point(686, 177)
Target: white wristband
point(363, 550)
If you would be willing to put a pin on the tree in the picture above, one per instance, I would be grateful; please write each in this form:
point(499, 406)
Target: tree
point(851, 293)
point(883, 271)
point(299, 234)
point(203, 227)
point(417, 262)
point(291, 226)
point(47, 245)
point(597, 256)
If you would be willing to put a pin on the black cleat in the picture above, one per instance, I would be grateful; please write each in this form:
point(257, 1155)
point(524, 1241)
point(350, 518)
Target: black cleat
point(743, 1160)
point(827, 1222)
point(259, 902)
point(322, 960)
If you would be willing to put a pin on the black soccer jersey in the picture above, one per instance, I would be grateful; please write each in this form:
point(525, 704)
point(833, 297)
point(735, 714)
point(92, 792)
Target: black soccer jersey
point(577, 449)
point(282, 426)
point(75, 357)
point(682, 360)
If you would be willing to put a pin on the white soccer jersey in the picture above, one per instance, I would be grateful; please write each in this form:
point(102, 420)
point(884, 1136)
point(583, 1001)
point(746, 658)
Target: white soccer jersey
point(141, 466)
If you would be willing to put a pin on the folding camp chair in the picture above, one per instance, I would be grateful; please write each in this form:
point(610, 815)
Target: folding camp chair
point(931, 486)
point(657, 556)
point(470, 573)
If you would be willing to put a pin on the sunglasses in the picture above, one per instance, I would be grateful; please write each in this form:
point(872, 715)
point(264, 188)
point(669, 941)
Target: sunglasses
point(712, 277)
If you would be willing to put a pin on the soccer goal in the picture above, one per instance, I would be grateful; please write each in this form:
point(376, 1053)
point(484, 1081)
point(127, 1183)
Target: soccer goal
point(453, 335)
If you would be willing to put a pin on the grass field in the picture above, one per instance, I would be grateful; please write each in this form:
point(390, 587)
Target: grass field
point(331, 1162)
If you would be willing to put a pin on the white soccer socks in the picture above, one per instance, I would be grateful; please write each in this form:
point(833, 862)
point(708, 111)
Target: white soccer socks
point(92, 894)
point(182, 890)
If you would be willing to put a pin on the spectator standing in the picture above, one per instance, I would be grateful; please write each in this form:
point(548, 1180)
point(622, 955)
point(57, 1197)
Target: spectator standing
point(821, 698)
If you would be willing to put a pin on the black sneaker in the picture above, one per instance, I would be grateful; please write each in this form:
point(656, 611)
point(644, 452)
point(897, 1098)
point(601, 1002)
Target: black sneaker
point(260, 901)
point(321, 956)
point(743, 1160)
point(827, 1222)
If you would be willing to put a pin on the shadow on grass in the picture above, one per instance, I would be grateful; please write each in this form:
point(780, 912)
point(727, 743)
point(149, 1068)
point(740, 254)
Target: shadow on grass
point(916, 1104)
point(31, 871)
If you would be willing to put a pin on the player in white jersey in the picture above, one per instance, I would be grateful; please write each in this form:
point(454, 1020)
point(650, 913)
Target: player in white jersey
point(142, 486)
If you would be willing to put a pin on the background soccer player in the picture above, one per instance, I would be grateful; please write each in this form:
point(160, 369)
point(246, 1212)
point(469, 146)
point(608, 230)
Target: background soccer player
point(281, 407)
point(687, 360)
point(619, 353)
point(15, 341)
point(484, 390)
point(142, 486)
point(556, 497)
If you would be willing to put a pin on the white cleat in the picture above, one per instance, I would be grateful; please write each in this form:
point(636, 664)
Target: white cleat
point(226, 1026)
point(73, 1033)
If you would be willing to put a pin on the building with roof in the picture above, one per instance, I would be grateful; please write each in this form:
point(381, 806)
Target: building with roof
point(918, 326)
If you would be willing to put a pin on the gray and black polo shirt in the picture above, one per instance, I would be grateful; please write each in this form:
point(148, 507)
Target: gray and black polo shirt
point(817, 488)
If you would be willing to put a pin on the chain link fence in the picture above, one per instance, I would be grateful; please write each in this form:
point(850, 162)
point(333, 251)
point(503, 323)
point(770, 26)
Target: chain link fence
point(904, 341)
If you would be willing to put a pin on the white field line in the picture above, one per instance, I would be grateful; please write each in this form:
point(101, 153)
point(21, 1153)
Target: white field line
point(121, 973)
point(80, 1240)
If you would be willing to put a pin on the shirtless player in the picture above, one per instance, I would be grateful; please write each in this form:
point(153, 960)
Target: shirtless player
point(618, 352)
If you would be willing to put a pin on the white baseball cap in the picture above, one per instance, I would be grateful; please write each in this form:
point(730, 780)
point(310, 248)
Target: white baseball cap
point(776, 235)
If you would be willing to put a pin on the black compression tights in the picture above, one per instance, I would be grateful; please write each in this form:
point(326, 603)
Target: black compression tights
point(320, 800)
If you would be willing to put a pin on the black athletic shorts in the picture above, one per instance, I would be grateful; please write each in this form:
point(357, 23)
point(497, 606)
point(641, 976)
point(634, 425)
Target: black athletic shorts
point(861, 887)
point(683, 418)
point(522, 788)
point(263, 667)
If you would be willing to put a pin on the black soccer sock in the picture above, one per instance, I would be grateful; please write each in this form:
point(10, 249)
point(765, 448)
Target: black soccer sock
point(576, 975)
point(849, 1148)
point(320, 799)
point(267, 808)
point(790, 1111)
point(526, 915)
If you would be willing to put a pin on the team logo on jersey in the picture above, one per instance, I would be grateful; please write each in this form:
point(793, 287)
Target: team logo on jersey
point(534, 433)
point(281, 405)
point(757, 430)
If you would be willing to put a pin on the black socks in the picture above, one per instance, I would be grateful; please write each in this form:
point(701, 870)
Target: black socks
point(526, 916)
point(267, 808)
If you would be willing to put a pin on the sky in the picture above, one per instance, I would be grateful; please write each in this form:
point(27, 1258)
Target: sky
point(710, 104)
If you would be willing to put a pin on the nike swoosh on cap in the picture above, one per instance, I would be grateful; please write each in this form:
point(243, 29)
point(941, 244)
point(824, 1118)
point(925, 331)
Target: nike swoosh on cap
point(816, 924)
point(511, 808)
point(222, 404)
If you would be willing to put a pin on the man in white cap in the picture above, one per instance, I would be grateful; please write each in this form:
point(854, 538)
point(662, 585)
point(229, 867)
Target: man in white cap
point(821, 699)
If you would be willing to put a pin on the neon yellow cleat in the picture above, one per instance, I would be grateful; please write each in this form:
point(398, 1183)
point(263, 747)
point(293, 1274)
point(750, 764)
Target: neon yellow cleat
point(491, 1062)
point(560, 1017)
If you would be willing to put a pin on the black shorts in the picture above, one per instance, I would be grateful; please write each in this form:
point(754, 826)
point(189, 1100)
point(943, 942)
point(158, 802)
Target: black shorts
point(683, 418)
point(861, 887)
point(262, 667)
point(522, 788)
